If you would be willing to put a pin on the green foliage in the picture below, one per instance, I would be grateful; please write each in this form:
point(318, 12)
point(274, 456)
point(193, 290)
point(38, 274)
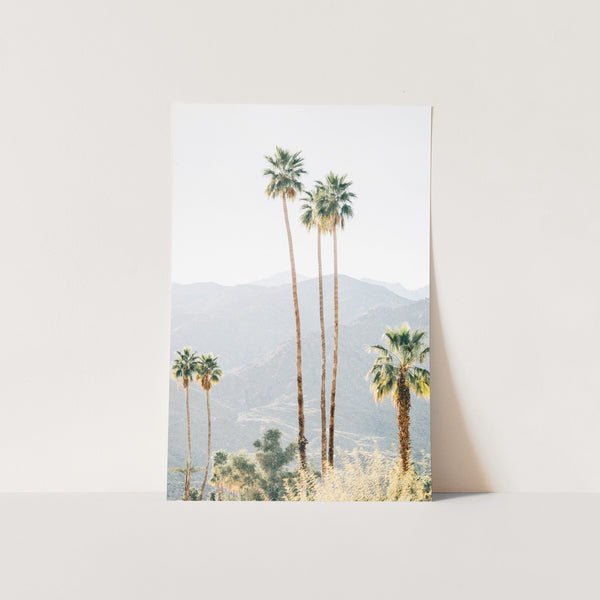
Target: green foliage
point(194, 494)
point(184, 469)
point(208, 371)
point(186, 366)
point(284, 174)
point(310, 217)
point(242, 477)
point(333, 202)
point(261, 476)
point(403, 351)
point(220, 459)
point(272, 459)
point(365, 477)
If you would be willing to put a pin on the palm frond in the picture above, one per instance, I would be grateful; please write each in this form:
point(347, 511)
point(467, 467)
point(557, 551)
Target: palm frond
point(334, 204)
point(402, 351)
point(419, 381)
point(184, 469)
point(185, 366)
point(208, 371)
point(285, 173)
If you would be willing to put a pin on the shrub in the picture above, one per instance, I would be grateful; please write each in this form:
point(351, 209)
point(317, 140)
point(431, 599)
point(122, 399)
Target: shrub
point(364, 477)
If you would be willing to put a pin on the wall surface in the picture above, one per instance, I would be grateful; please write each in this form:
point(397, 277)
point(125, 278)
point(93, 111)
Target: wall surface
point(87, 89)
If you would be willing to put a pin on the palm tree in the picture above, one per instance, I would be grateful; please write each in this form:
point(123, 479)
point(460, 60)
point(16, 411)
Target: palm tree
point(185, 368)
point(310, 219)
point(334, 207)
point(284, 172)
point(187, 471)
point(395, 373)
point(207, 375)
point(219, 462)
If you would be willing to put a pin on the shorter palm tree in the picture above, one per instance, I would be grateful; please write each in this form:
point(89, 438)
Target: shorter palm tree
point(185, 368)
point(187, 471)
point(208, 374)
point(395, 373)
point(219, 463)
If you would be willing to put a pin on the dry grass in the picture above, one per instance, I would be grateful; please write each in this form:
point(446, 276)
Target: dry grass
point(365, 477)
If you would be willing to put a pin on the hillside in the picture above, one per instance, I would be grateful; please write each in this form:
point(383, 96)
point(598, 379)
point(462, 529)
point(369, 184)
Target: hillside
point(241, 323)
point(258, 389)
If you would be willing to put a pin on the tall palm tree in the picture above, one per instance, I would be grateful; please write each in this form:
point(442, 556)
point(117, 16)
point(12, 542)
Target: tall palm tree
point(334, 207)
point(284, 172)
point(395, 373)
point(187, 471)
point(209, 373)
point(185, 368)
point(310, 219)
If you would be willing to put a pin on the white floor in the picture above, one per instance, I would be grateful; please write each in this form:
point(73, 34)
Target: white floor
point(483, 546)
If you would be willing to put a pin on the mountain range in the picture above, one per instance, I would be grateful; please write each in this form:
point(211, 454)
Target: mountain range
point(251, 328)
point(417, 294)
point(412, 294)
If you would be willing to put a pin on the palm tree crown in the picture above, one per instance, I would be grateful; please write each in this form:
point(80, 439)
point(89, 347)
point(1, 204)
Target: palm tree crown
point(285, 172)
point(334, 204)
point(208, 371)
point(403, 352)
point(186, 366)
point(310, 216)
point(186, 468)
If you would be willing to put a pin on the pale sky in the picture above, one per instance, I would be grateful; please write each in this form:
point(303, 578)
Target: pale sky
point(225, 228)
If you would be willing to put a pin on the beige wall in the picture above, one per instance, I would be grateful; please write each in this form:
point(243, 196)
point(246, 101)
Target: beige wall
point(85, 223)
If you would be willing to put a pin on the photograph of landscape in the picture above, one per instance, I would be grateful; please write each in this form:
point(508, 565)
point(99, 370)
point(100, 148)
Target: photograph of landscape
point(299, 360)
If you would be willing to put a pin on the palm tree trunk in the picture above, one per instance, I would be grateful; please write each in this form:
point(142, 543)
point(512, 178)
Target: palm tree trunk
point(323, 362)
point(403, 408)
point(186, 495)
point(209, 431)
point(302, 441)
point(335, 350)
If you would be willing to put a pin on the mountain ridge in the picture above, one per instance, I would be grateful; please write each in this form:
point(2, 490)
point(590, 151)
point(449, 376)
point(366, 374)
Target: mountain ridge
point(401, 290)
point(209, 315)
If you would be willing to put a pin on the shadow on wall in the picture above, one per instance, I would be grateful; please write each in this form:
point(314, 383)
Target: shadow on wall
point(455, 464)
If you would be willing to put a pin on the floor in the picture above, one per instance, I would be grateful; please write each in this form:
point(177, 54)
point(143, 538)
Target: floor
point(113, 546)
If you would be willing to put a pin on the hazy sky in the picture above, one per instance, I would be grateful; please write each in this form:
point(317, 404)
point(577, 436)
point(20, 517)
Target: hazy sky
point(225, 229)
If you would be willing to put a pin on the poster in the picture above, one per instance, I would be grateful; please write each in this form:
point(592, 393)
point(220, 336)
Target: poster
point(299, 360)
